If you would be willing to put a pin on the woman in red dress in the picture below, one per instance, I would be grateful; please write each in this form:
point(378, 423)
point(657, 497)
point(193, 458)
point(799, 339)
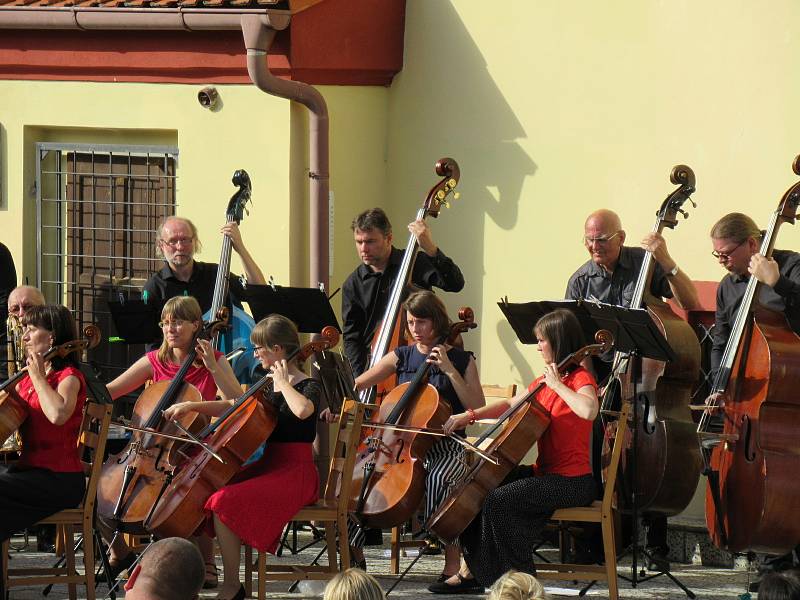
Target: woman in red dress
point(259, 502)
point(54, 392)
point(181, 319)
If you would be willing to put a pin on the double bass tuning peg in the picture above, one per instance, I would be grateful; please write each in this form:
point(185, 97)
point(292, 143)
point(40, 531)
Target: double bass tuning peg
point(684, 213)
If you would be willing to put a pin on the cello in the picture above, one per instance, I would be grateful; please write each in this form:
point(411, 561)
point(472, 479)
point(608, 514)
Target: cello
point(234, 436)
point(13, 410)
point(132, 481)
point(388, 476)
point(667, 459)
point(519, 428)
point(753, 491)
point(390, 335)
point(237, 335)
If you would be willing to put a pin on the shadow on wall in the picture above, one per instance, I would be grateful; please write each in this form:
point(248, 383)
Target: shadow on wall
point(445, 103)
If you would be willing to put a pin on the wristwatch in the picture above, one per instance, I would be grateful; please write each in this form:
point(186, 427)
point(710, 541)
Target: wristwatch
point(673, 272)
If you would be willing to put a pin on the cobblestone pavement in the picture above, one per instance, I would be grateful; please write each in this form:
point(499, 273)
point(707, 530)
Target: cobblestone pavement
point(704, 582)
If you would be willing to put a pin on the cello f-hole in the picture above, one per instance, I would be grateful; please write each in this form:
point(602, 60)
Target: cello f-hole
point(749, 452)
point(646, 408)
point(398, 457)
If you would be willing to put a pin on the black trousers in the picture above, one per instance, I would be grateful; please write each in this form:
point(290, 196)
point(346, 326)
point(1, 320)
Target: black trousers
point(29, 495)
point(503, 535)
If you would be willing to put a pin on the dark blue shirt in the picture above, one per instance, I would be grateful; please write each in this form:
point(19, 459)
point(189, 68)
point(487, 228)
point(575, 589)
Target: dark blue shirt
point(409, 359)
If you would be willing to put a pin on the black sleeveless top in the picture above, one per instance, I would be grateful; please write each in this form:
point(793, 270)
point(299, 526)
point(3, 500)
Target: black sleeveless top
point(409, 360)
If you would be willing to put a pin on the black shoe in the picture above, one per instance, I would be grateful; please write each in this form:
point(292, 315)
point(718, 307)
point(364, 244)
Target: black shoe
point(359, 564)
point(464, 586)
point(124, 564)
point(754, 585)
point(432, 546)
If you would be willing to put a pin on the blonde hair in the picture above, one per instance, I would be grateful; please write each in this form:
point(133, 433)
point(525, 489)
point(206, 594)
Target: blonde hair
point(516, 585)
point(353, 584)
point(276, 330)
point(185, 308)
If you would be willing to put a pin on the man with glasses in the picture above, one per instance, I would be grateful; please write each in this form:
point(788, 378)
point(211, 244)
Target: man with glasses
point(736, 240)
point(182, 275)
point(8, 279)
point(610, 276)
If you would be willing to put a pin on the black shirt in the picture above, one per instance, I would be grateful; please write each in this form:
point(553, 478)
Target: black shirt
point(365, 295)
point(289, 427)
point(164, 285)
point(784, 297)
point(591, 281)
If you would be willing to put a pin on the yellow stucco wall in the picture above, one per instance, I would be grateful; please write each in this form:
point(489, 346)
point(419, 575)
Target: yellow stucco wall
point(554, 109)
point(267, 136)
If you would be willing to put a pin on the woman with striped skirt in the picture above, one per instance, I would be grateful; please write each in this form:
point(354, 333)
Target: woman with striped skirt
point(455, 376)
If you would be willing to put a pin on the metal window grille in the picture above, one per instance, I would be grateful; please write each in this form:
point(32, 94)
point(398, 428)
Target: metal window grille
point(97, 209)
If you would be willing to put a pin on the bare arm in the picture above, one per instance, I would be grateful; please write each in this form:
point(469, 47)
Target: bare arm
point(385, 367)
point(135, 376)
point(468, 388)
point(251, 270)
point(682, 287)
point(57, 404)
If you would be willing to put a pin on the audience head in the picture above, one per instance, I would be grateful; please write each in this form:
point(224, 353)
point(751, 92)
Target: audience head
point(170, 569)
point(22, 298)
point(353, 584)
point(783, 585)
point(515, 585)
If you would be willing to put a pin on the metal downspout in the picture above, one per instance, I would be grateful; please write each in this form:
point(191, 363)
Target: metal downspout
point(258, 37)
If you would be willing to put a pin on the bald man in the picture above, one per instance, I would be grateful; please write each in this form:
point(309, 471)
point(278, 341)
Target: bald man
point(610, 276)
point(611, 272)
point(170, 569)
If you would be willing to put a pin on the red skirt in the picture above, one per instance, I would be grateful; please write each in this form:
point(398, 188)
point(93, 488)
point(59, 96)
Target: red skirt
point(263, 498)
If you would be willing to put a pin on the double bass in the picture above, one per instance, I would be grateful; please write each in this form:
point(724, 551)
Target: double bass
point(132, 481)
point(389, 477)
point(667, 459)
point(237, 335)
point(233, 437)
point(518, 429)
point(390, 335)
point(752, 462)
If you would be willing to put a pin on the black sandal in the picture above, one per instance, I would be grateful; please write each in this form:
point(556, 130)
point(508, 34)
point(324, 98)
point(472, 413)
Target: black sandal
point(212, 576)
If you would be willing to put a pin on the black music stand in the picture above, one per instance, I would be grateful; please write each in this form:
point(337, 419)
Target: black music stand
point(309, 308)
point(635, 334)
point(136, 321)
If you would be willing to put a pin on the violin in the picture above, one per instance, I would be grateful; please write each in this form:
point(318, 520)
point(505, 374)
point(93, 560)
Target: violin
point(391, 334)
point(388, 477)
point(233, 437)
point(13, 409)
point(132, 481)
point(237, 335)
point(667, 459)
point(519, 428)
point(752, 461)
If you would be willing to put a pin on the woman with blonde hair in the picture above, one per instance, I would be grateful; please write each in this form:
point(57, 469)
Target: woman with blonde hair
point(515, 585)
point(181, 321)
point(264, 496)
point(353, 584)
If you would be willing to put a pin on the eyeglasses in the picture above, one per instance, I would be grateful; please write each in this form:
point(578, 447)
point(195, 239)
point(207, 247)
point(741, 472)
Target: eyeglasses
point(603, 239)
point(185, 241)
point(257, 349)
point(18, 308)
point(176, 323)
point(726, 255)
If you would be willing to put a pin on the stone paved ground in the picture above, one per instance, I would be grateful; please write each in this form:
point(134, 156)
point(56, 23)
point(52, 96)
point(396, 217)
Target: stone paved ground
point(705, 582)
